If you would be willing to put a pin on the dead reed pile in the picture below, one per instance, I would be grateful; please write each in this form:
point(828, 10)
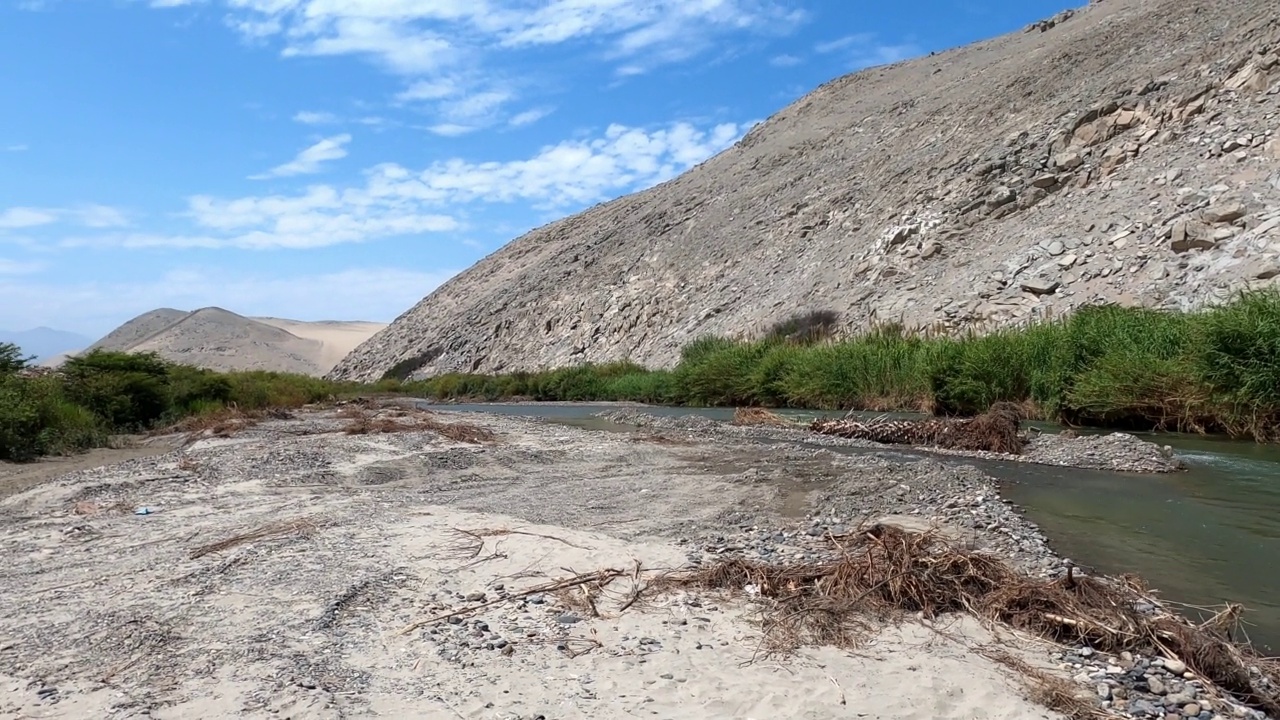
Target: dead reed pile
point(883, 572)
point(996, 430)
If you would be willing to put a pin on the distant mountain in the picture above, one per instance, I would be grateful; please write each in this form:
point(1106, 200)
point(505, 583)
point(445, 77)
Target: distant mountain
point(219, 339)
point(43, 342)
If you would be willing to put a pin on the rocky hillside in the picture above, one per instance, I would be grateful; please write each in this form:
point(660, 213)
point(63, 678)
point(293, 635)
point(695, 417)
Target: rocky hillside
point(222, 340)
point(1127, 151)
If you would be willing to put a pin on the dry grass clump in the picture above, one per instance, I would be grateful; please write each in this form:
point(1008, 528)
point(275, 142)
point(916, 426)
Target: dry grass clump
point(884, 572)
point(404, 421)
point(297, 526)
point(224, 422)
point(1051, 691)
point(760, 417)
point(997, 430)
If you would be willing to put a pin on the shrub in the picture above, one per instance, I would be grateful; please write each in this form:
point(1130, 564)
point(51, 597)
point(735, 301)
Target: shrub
point(805, 328)
point(11, 359)
point(37, 419)
point(125, 391)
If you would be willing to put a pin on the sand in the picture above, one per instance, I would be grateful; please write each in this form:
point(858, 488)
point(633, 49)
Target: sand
point(336, 339)
point(116, 618)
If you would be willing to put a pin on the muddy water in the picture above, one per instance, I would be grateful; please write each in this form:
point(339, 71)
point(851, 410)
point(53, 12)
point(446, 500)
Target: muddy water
point(1203, 537)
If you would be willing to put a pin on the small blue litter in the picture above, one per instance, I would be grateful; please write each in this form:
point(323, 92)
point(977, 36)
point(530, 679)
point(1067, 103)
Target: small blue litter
point(143, 511)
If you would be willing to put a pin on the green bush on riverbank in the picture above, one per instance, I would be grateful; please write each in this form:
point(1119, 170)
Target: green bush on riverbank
point(105, 393)
point(1216, 370)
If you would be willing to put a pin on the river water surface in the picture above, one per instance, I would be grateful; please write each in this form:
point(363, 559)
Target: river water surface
point(1205, 536)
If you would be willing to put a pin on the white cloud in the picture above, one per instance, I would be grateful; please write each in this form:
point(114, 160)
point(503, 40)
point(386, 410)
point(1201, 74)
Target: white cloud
point(101, 216)
point(528, 117)
point(15, 148)
point(395, 201)
point(420, 38)
point(476, 106)
point(429, 90)
point(785, 60)
point(24, 217)
point(94, 216)
point(309, 160)
point(452, 129)
point(573, 172)
point(16, 267)
point(310, 117)
point(861, 50)
point(372, 293)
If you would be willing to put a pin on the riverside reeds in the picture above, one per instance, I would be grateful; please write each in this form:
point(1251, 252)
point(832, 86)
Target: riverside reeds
point(1217, 370)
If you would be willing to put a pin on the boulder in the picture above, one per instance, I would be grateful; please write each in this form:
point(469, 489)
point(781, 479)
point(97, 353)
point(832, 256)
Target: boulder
point(1068, 160)
point(1188, 235)
point(1223, 212)
point(1039, 286)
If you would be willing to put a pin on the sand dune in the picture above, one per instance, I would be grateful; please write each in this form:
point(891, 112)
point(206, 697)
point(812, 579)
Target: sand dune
point(219, 339)
point(336, 338)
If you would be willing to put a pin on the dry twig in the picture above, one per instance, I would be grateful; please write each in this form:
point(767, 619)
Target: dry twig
point(298, 525)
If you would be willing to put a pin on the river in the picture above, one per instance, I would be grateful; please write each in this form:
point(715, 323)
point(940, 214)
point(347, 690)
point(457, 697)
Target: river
point(1205, 536)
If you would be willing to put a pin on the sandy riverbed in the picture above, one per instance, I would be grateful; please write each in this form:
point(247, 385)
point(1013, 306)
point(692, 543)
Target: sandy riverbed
point(123, 615)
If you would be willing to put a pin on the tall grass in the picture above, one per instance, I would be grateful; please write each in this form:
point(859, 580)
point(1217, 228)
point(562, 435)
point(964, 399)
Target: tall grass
point(1216, 370)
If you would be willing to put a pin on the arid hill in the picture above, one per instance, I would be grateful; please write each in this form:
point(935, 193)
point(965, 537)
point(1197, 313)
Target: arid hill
point(221, 340)
point(1121, 152)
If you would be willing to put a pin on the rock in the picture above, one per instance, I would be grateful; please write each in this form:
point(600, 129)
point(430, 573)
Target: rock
point(1068, 161)
point(568, 619)
point(476, 597)
point(929, 249)
point(1191, 709)
point(1001, 196)
point(1039, 286)
point(1177, 667)
point(1045, 181)
point(1188, 235)
point(1066, 262)
point(1156, 685)
point(1056, 248)
point(1224, 212)
point(1104, 691)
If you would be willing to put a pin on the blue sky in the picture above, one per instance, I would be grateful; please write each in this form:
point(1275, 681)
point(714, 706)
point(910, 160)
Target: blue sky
point(338, 159)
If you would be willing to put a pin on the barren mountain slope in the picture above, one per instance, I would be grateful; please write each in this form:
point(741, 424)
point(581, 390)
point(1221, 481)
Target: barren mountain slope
point(1123, 152)
point(221, 340)
point(138, 329)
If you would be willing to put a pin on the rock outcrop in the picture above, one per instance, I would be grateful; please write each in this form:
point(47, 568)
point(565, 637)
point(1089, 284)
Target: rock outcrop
point(1126, 152)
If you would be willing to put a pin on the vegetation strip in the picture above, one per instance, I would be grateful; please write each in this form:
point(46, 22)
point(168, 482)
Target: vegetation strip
point(1216, 370)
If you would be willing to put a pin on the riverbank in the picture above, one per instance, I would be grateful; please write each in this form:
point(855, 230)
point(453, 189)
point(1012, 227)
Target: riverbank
point(1105, 366)
point(275, 568)
point(1119, 452)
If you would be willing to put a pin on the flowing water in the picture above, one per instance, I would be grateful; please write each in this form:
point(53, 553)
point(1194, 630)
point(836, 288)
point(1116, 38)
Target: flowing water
point(1205, 536)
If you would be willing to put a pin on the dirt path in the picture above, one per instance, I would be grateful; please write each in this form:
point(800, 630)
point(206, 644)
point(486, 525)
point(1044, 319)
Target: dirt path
point(16, 477)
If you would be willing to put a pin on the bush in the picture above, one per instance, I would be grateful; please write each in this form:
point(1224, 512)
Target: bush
point(11, 359)
point(805, 328)
point(36, 419)
point(125, 391)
